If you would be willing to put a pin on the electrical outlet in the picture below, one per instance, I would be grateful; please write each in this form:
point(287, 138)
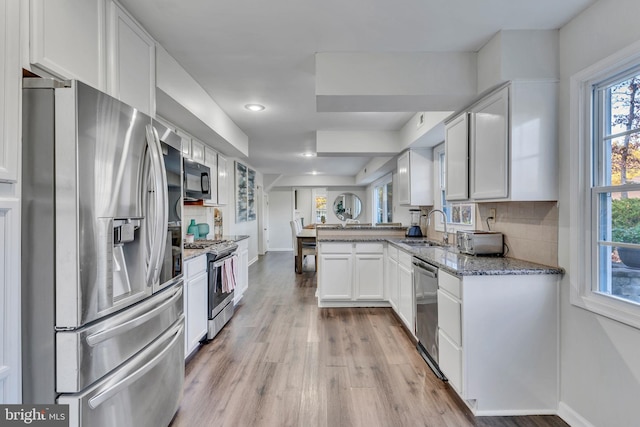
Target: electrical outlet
point(492, 214)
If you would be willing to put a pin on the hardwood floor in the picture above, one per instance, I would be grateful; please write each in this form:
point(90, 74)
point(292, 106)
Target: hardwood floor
point(282, 361)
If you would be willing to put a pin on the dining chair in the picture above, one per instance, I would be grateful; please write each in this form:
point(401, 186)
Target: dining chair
point(308, 248)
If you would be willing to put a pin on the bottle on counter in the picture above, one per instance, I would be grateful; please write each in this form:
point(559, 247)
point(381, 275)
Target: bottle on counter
point(193, 229)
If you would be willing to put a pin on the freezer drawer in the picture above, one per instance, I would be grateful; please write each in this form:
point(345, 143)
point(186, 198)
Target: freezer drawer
point(83, 356)
point(145, 392)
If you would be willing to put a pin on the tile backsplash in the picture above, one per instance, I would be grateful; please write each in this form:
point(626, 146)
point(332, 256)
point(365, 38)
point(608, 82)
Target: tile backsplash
point(202, 214)
point(530, 229)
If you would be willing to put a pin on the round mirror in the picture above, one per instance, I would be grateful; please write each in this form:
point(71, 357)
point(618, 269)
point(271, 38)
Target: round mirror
point(347, 206)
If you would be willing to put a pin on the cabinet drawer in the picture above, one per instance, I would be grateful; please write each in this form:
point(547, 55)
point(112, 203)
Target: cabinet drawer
point(449, 283)
point(450, 361)
point(404, 258)
point(195, 266)
point(369, 248)
point(336, 248)
point(449, 317)
point(392, 251)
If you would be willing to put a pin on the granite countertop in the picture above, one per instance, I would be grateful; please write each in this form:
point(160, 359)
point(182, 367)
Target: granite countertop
point(449, 259)
point(192, 253)
point(359, 227)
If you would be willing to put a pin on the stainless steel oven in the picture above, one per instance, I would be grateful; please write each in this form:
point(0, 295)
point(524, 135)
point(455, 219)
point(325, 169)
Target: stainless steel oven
point(220, 298)
point(425, 284)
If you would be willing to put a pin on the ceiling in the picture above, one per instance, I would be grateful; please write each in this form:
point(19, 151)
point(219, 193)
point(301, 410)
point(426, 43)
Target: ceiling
point(243, 51)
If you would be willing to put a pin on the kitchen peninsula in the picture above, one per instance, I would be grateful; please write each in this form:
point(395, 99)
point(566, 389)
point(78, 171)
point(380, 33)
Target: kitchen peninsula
point(497, 317)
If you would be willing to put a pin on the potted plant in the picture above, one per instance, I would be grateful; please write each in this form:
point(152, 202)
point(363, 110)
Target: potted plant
point(630, 257)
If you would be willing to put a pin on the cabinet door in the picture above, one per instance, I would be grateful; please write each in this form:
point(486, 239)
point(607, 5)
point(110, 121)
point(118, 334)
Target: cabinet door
point(10, 374)
point(406, 309)
point(392, 283)
point(489, 142)
point(131, 75)
point(450, 361)
point(335, 277)
point(223, 176)
point(197, 310)
point(369, 276)
point(197, 150)
point(67, 39)
point(403, 188)
point(456, 140)
point(243, 271)
point(211, 160)
point(10, 94)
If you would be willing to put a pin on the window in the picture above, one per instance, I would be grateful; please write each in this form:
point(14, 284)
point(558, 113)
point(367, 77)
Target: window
point(605, 204)
point(320, 205)
point(615, 191)
point(459, 216)
point(383, 200)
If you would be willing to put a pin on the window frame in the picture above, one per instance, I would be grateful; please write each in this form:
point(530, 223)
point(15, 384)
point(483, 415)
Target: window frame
point(583, 188)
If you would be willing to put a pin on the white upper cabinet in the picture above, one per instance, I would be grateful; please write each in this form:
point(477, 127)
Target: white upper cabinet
point(415, 178)
point(511, 138)
point(197, 151)
point(223, 181)
point(211, 160)
point(489, 143)
point(10, 94)
point(67, 39)
point(457, 158)
point(131, 62)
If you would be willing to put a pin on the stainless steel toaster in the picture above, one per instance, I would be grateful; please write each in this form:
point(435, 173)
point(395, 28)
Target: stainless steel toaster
point(477, 242)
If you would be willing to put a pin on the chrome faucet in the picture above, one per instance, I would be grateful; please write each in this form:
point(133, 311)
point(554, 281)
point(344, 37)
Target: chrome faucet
point(445, 237)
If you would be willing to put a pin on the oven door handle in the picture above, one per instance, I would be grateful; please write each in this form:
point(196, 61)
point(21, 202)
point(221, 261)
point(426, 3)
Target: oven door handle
point(219, 262)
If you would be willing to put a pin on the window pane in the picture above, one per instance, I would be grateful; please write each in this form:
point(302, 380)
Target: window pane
point(619, 272)
point(623, 165)
point(619, 266)
point(624, 106)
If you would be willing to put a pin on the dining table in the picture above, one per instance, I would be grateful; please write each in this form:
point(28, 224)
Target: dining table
point(306, 235)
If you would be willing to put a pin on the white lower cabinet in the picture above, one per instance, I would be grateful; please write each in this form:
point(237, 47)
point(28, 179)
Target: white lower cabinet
point(351, 274)
point(195, 302)
point(406, 305)
point(498, 341)
point(391, 277)
point(242, 283)
point(369, 271)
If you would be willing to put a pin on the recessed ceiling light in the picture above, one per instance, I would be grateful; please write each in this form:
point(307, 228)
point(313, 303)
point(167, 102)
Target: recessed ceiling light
point(314, 173)
point(308, 154)
point(254, 107)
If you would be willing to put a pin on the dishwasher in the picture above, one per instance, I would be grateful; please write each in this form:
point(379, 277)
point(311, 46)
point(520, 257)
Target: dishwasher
point(425, 285)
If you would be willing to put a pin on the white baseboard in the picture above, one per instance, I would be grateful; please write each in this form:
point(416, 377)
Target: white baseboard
point(571, 417)
point(253, 260)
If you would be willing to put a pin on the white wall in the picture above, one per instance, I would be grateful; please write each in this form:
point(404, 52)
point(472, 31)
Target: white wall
point(305, 203)
point(600, 358)
point(280, 213)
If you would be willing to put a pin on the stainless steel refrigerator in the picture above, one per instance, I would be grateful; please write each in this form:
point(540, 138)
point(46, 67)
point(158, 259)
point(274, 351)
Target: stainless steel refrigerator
point(102, 310)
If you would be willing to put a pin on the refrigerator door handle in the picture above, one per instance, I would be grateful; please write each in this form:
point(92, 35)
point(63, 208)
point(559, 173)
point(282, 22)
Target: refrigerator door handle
point(159, 221)
point(98, 337)
point(111, 391)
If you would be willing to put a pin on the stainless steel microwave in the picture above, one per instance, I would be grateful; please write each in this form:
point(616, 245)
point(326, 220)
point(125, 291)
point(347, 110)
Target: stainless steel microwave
point(197, 180)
